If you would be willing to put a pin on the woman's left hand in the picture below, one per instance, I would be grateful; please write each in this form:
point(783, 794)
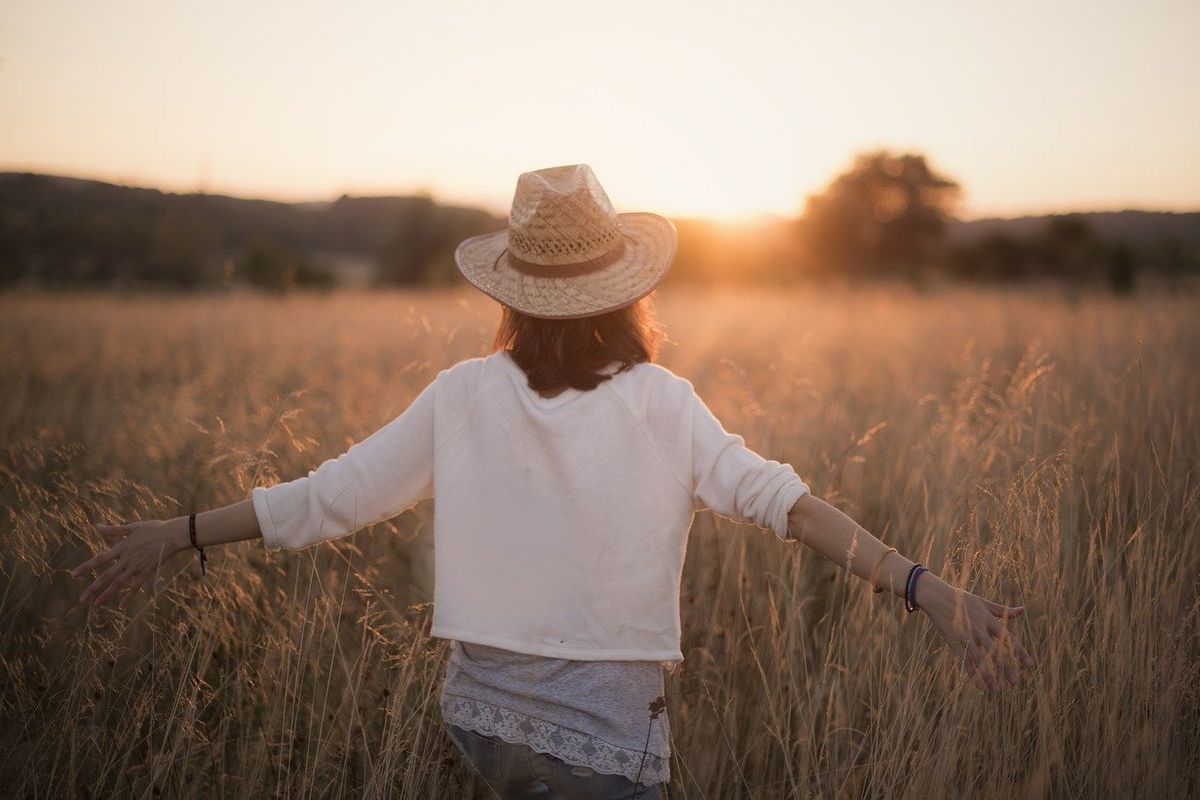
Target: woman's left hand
point(140, 549)
point(976, 629)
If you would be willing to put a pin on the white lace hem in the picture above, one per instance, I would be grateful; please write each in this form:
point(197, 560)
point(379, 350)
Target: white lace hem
point(571, 746)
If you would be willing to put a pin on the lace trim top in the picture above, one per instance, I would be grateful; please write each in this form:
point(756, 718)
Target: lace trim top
point(588, 713)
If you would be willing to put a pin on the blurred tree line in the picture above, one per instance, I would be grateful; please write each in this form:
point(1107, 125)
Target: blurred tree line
point(65, 231)
point(892, 215)
point(889, 215)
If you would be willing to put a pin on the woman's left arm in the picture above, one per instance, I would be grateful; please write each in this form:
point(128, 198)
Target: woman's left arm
point(140, 548)
point(974, 627)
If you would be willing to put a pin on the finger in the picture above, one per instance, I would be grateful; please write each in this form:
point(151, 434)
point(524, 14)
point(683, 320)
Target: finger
point(1021, 652)
point(113, 573)
point(1000, 630)
point(993, 648)
point(92, 563)
point(96, 586)
point(113, 531)
point(1006, 651)
point(127, 596)
point(134, 581)
point(1006, 660)
point(1004, 612)
point(972, 670)
point(87, 594)
point(981, 664)
point(112, 588)
point(987, 643)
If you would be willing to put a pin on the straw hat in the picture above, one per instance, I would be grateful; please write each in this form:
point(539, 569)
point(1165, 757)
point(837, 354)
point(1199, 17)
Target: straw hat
point(567, 253)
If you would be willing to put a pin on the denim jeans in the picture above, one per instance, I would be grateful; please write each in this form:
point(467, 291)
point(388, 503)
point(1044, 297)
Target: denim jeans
point(516, 771)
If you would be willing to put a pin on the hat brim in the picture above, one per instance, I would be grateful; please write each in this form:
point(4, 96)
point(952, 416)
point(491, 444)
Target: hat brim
point(650, 245)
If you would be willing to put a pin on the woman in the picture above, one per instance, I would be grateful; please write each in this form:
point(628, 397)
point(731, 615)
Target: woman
point(567, 467)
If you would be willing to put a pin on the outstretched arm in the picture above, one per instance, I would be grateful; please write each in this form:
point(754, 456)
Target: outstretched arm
point(973, 627)
point(142, 547)
point(737, 482)
point(376, 479)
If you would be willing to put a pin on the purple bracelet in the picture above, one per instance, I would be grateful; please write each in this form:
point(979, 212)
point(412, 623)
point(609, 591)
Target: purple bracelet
point(910, 587)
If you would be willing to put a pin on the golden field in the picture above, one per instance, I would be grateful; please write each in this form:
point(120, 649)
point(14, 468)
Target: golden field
point(1035, 448)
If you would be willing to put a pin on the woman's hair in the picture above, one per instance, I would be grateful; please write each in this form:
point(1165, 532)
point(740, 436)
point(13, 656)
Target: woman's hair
point(558, 353)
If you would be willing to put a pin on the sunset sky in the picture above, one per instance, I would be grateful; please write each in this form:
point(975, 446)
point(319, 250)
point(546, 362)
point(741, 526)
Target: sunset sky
point(687, 108)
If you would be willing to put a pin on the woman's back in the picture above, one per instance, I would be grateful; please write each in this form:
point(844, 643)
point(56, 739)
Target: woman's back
point(560, 523)
point(591, 449)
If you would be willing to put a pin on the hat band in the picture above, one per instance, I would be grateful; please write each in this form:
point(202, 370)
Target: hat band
point(570, 270)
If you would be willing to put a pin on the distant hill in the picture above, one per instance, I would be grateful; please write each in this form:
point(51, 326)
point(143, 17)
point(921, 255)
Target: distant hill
point(68, 231)
point(361, 224)
point(60, 229)
point(1136, 228)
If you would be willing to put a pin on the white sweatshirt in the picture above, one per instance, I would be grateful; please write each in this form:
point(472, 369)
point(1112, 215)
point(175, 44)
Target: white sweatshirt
point(560, 524)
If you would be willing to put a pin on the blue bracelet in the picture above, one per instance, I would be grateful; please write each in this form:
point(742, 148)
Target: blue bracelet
point(910, 587)
point(908, 582)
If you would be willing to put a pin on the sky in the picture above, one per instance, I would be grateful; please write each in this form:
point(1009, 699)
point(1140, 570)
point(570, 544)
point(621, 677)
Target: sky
point(694, 108)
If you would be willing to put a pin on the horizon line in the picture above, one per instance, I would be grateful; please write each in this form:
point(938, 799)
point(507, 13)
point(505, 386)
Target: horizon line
point(747, 218)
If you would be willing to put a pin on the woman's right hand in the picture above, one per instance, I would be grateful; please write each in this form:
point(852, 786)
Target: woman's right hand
point(975, 631)
point(139, 549)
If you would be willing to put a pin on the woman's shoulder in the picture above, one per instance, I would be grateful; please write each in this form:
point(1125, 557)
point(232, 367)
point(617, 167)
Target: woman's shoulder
point(459, 386)
point(472, 370)
point(653, 374)
point(648, 386)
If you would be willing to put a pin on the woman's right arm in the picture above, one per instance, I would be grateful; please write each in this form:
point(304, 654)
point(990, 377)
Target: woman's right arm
point(376, 479)
point(970, 624)
point(140, 548)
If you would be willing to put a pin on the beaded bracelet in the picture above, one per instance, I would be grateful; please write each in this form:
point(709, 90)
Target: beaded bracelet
point(910, 587)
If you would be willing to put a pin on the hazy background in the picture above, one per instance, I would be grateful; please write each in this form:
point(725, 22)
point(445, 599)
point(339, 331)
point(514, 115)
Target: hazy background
point(941, 258)
point(420, 117)
point(688, 108)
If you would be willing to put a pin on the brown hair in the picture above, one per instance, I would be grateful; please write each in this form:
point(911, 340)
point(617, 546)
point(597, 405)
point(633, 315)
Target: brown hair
point(560, 353)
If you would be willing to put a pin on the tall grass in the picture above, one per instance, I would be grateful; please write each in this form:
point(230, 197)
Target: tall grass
point(1033, 448)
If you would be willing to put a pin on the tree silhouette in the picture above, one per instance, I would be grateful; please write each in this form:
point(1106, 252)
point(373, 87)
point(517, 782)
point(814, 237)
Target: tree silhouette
point(886, 215)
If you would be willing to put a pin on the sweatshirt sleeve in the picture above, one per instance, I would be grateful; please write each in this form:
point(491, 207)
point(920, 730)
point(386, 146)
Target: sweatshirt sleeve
point(733, 480)
point(376, 479)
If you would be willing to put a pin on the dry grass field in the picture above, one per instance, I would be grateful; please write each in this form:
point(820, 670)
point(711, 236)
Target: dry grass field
point(1035, 448)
